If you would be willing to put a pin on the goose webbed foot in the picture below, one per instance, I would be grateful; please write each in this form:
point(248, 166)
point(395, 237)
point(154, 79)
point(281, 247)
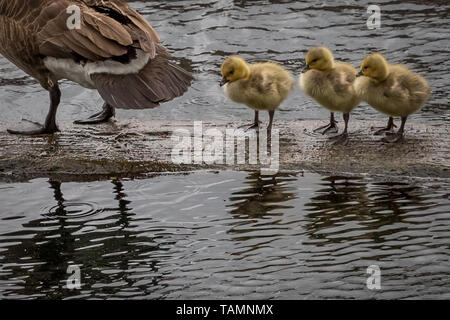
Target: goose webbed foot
point(101, 117)
point(33, 132)
point(41, 129)
point(49, 126)
point(340, 139)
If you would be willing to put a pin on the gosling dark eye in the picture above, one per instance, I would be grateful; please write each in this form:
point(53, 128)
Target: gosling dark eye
point(365, 68)
point(315, 60)
point(231, 73)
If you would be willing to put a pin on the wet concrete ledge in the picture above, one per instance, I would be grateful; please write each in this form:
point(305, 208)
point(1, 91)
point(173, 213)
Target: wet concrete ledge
point(134, 148)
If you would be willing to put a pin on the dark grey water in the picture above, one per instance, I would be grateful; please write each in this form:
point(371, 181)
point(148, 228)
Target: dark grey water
point(202, 33)
point(236, 234)
point(225, 235)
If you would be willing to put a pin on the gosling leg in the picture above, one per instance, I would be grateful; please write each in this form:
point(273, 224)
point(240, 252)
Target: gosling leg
point(343, 137)
point(107, 113)
point(271, 115)
point(399, 135)
point(49, 126)
point(389, 127)
point(331, 127)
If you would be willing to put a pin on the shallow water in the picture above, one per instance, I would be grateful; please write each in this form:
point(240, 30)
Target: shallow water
point(202, 33)
point(225, 235)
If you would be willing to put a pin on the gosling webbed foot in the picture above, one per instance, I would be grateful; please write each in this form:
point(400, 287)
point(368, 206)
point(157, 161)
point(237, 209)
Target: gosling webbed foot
point(329, 128)
point(387, 129)
point(393, 138)
point(253, 126)
point(391, 133)
point(340, 139)
point(383, 131)
point(101, 117)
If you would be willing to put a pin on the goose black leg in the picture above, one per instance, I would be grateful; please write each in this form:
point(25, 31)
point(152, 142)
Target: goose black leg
point(49, 126)
point(398, 136)
point(107, 113)
point(331, 127)
point(389, 127)
point(254, 125)
point(343, 137)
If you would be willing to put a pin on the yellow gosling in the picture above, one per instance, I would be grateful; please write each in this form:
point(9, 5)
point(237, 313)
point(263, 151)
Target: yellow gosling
point(260, 86)
point(330, 83)
point(391, 89)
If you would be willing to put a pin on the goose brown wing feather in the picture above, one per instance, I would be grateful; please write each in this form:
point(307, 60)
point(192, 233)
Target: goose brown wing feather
point(108, 29)
point(147, 35)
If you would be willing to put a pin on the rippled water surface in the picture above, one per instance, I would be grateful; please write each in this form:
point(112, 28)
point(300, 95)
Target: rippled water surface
point(225, 235)
point(202, 33)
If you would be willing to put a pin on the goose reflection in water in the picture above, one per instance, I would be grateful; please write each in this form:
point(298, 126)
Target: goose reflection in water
point(62, 239)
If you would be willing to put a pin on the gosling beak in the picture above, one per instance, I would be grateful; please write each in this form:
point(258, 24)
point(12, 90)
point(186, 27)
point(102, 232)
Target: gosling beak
point(224, 81)
point(305, 68)
point(360, 73)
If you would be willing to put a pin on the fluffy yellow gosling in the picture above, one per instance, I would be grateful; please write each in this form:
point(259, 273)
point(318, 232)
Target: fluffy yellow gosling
point(391, 89)
point(330, 83)
point(260, 86)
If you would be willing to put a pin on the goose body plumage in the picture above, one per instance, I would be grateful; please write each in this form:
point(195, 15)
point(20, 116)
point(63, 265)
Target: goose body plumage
point(114, 50)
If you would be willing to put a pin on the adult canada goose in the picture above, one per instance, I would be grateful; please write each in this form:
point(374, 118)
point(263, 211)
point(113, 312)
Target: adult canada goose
point(391, 89)
point(260, 86)
point(113, 49)
point(330, 83)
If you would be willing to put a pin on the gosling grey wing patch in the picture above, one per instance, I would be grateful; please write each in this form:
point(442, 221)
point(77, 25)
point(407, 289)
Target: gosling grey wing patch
point(341, 82)
point(261, 83)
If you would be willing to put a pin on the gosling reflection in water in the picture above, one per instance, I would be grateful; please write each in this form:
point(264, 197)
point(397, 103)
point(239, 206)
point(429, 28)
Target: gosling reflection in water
point(344, 201)
point(264, 195)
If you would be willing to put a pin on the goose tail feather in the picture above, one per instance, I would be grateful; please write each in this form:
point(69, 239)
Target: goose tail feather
point(159, 81)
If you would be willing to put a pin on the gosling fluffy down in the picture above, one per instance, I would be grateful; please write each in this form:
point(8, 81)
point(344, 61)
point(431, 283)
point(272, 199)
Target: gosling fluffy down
point(391, 89)
point(330, 83)
point(260, 86)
